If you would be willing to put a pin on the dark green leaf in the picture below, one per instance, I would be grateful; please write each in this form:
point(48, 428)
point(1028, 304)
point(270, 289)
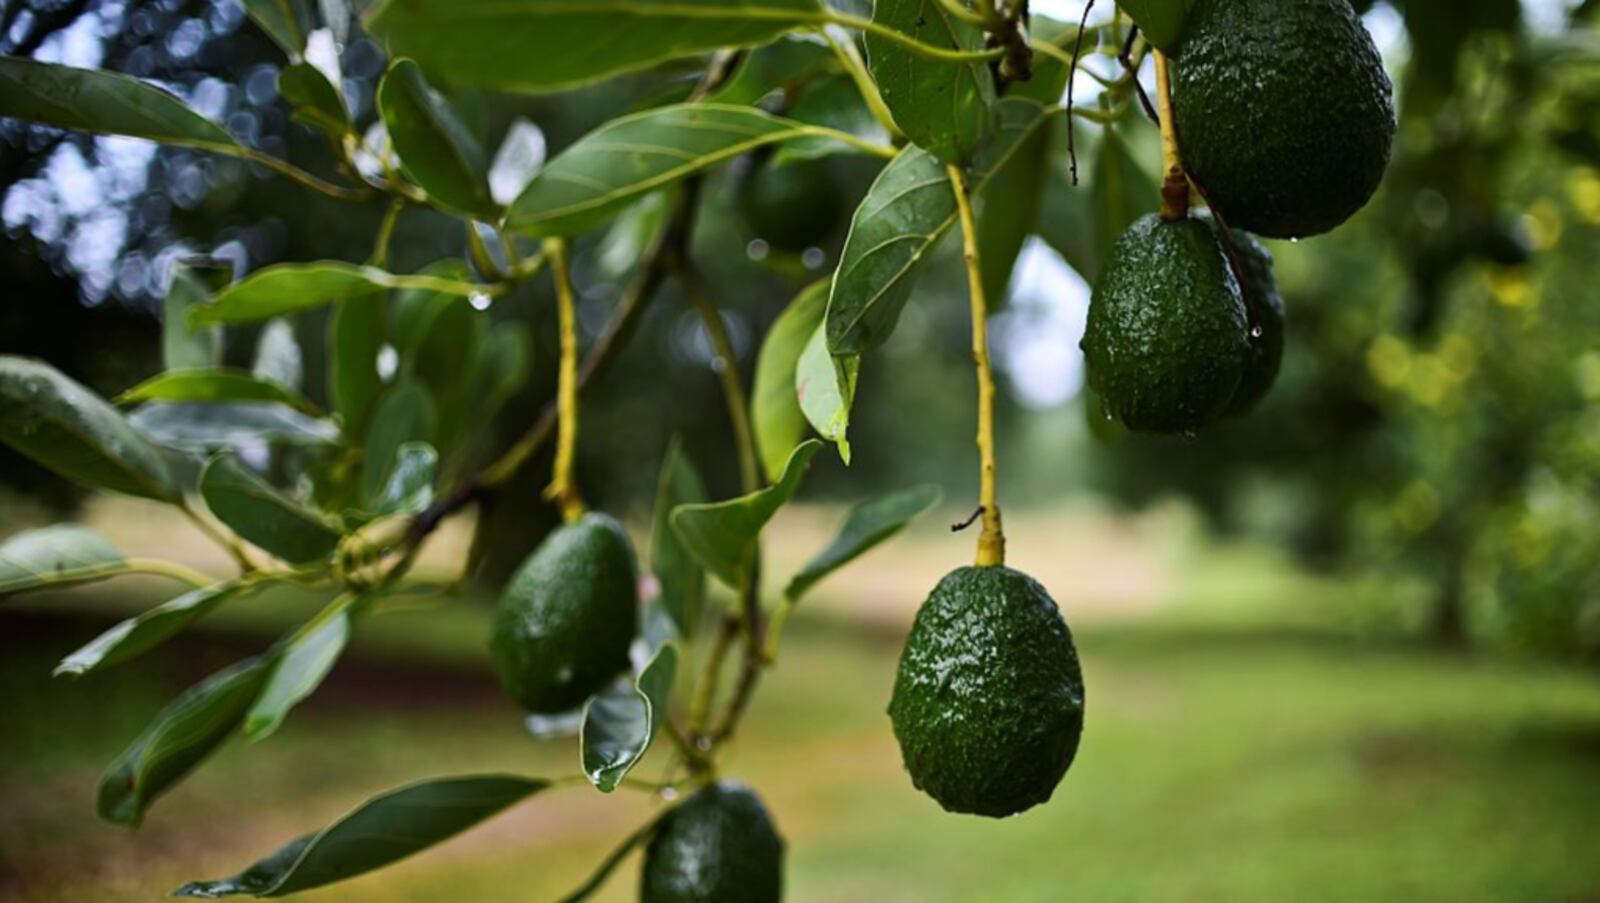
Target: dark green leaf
point(184, 347)
point(1050, 75)
point(409, 489)
point(50, 557)
point(183, 734)
point(107, 103)
point(776, 66)
point(208, 427)
point(438, 337)
point(356, 334)
point(215, 386)
point(722, 535)
point(436, 150)
point(942, 106)
point(826, 388)
point(300, 669)
point(620, 721)
point(292, 287)
point(1121, 191)
point(317, 102)
point(536, 45)
point(75, 433)
point(833, 102)
point(282, 21)
point(263, 516)
point(774, 403)
point(1009, 211)
point(139, 634)
point(867, 525)
point(1160, 20)
point(616, 164)
point(406, 414)
point(383, 830)
point(682, 580)
point(501, 368)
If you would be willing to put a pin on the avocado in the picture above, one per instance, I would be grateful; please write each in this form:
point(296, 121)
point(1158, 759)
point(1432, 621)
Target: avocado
point(988, 703)
point(1284, 113)
point(566, 619)
point(1167, 342)
point(791, 207)
point(719, 846)
point(1264, 308)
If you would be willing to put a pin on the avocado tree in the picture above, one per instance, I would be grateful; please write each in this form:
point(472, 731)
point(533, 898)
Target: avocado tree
point(339, 494)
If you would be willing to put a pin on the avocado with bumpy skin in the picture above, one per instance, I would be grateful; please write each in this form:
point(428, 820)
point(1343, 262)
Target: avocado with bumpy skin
point(1167, 342)
point(718, 847)
point(566, 619)
point(791, 207)
point(988, 702)
point(1284, 113)
point(1265, 309)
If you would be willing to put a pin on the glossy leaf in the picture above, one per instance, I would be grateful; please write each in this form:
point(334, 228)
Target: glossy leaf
point(436, 150)
point(620, 721)
point(317, 101)
point(774, 403)
point(1160, 20)
point(406, 414)
point(832, 101)
point(682, 579)
point(1009, 212)
point(72, 431)
point(1122, 192)
point(356, 334)
point(300, 669)
point(826, 388)
point(181, 736)
point(183, 347)
point(722, 535)
point(1048, 85)
point(288, 288)
point(381, 831)
point(263, 516)
point(50, 557)
point(282, 20)
point(773, 67)
point(144, 632)
point(439, 337)
point(616, 164)
point(208, 427)
point(501, 368)
point(942, 106)
point(107, 103)
point(409, 488)
point(537, 45)
point(867, 525)
point(215, 386)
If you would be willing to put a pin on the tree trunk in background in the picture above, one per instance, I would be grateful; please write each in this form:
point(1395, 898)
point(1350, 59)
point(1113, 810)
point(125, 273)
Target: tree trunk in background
point(1449, 627)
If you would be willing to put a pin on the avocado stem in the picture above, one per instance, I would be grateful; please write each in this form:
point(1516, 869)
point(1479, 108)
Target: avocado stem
point(992, 540)
point(563, 491)
point(1175, 187)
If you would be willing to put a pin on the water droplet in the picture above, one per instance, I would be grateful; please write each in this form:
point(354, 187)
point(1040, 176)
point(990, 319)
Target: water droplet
point(669, 793)
point(1255, 332)
point(757, 249)
point(480, 301)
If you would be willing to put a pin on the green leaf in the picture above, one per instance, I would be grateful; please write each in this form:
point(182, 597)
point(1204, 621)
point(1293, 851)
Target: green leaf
point(318, 103)
point(184, 347)
point(1160, 20)
point(436, 150)
point(1009, 212)
point(620, 721)
point(1050, 76)
point(409, 488)
point(722, 535)
point(774, 404)
point(406, 414)
point(281, 20)
point(204, 428)
point(438, 337)
point(301, 667)
point(616, 164)
point(834, 102)
point(381, 831)
point(356, 333)
point(181, 736)
point(263, 516)
point(72, 431)
point(539, 45)
point(1122, 192)
point(682, 580)
point(288, 288)
point(501, 367)
point(107, 103)
point(895, 229)
point(144, 632)
point(214, 386)
point(942, 106)
point(826, 388)
point(50, 557)
point(774, 67)
point(867, 525)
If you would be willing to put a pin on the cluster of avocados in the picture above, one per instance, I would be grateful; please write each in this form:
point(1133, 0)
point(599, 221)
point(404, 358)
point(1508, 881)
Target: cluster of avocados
point(1285, 120)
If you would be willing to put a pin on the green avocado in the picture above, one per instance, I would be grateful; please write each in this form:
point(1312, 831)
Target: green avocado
point(1167, 342)
point(718, 847)
point(1265, 310)
point(567, 617)
point(791, 207)
point(1285, 115)
point(988, 703)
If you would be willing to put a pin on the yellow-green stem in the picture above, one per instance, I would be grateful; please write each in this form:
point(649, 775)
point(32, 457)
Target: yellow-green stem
point(853, 65)
point(170, 569)
point(992, 540)
point(1175, 186)
point(563, 490)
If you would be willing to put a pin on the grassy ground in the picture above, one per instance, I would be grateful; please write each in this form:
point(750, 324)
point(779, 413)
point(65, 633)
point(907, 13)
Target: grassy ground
point(1244, 743)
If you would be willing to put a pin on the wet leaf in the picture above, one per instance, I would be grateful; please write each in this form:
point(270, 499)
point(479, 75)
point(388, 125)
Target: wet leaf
point(140, 634)
point(215, 386)
point(942, 106)
point(57, 556)
point(722, 535)
point(868, 524)
point(620, 721)
point(683, 581)
point(263, 516)
point(436, 150)
point(106, 103)
point(774, 402)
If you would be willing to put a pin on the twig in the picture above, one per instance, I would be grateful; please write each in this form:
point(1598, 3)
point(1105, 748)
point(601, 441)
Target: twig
point(992, 541)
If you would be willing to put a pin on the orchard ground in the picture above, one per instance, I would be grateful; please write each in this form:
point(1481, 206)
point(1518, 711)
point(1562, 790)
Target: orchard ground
point(1253, 733)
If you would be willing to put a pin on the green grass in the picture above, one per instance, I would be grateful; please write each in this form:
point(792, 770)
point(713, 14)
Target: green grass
point(1236, 749)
